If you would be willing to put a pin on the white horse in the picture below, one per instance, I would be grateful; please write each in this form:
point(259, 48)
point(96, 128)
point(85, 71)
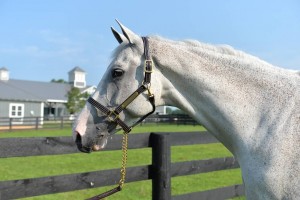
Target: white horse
point(252, 107)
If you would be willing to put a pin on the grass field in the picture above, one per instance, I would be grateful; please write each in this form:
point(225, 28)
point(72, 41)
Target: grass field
point(38, 166)
point(67, 131)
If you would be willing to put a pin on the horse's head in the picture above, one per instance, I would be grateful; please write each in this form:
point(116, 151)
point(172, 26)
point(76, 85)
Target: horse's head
point(122, 97)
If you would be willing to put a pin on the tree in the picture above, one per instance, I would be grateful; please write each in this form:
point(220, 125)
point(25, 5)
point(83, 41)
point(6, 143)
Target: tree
point(174, 111)
point(76, 100)
point(58, 81)
point(169, 110)
point(178, 112)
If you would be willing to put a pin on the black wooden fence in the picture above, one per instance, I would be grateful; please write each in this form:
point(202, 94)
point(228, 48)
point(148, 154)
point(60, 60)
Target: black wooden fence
point(160, 171)
point(10, 124)
point(24, 123)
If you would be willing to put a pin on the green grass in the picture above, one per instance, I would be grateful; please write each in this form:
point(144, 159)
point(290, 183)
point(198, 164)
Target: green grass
point(37, 166)
point(37, 133)
point(68, 132)
point(142, 190)
point(40, 166)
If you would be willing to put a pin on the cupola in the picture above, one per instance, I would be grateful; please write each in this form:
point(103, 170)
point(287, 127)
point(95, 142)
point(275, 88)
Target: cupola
point(4, 74)
point(77, 77)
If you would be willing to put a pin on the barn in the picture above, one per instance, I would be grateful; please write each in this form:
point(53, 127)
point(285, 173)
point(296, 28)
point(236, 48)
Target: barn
point(25, 98)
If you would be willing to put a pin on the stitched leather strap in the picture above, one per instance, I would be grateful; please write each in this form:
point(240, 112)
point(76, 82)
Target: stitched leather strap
point(148, 62)
point(106, 194)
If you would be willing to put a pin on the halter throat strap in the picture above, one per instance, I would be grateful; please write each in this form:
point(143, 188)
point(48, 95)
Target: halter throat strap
point(113, 115)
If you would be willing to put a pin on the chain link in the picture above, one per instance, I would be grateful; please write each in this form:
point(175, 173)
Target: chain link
point(124, 159)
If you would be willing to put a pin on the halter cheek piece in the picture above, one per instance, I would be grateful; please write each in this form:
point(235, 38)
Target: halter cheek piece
point(113, 115)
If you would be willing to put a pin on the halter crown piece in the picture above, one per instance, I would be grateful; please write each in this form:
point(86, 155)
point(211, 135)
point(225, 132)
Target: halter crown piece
point(113, 116)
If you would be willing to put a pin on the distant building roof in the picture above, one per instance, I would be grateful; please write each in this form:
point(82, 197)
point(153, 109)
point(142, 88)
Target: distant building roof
point(24, 90)
point(77, 69)
point(34, 90)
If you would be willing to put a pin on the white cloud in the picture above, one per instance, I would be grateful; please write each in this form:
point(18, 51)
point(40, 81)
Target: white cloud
point(31, 50)
point(55, 38)
point(9, 50)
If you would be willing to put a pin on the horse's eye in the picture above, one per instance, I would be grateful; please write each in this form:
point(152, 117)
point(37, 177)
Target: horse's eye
point(117, 73)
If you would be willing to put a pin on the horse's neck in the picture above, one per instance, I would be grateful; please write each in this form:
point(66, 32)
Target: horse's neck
point(225, 90)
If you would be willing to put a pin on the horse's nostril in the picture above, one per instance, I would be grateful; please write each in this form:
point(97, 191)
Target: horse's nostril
point(78, 140)
point(80, 146)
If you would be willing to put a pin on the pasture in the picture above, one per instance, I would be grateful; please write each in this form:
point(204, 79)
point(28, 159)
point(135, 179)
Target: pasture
point(39, 166)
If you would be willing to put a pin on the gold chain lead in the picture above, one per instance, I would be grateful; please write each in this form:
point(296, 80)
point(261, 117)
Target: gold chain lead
point(124, 159)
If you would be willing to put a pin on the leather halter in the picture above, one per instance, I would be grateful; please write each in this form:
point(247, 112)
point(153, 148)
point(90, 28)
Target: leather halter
point(113, 115)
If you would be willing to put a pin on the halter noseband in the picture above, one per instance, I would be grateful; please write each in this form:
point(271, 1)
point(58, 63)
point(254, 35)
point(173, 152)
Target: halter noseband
point(113, 115)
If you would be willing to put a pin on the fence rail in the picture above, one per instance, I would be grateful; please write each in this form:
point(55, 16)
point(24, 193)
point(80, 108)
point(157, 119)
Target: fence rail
point(10, 124)
point(160, 171)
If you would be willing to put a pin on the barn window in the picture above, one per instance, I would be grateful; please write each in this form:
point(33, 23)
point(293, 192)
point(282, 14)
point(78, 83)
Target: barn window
point(16, 110)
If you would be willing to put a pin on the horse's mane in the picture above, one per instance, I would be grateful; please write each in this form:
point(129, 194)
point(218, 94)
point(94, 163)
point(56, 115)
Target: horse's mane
point(117, 50)
point(209, 48)
point(223, 48)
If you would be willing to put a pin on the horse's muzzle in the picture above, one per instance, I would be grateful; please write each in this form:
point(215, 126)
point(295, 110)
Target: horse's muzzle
point(80, 147)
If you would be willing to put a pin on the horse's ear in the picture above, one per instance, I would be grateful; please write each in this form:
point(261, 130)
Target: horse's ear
point(118, 36)
point(131, 36)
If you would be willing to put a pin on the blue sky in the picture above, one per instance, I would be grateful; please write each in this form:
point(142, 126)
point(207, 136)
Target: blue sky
point(44, 39)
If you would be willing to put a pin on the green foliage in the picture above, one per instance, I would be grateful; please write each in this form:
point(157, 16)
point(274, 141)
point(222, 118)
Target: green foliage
point(174, 111)
point(76, 100)
point(169, 110)
point(58, 81)
point(178, 112)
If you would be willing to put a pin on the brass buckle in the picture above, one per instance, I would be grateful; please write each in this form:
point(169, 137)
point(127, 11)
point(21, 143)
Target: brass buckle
point(112, 116)
point(148, 87)
point(148, 62)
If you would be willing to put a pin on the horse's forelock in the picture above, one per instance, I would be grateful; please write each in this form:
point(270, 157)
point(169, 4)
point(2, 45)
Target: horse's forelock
point(117, 50)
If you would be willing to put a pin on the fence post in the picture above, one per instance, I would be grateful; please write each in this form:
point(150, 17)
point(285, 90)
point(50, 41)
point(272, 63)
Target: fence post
point(62, 122)
point(36, 123)
point(161, 166)
point(10, 124)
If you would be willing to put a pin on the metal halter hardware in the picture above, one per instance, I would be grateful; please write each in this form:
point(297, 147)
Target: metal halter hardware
point(113, 115)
